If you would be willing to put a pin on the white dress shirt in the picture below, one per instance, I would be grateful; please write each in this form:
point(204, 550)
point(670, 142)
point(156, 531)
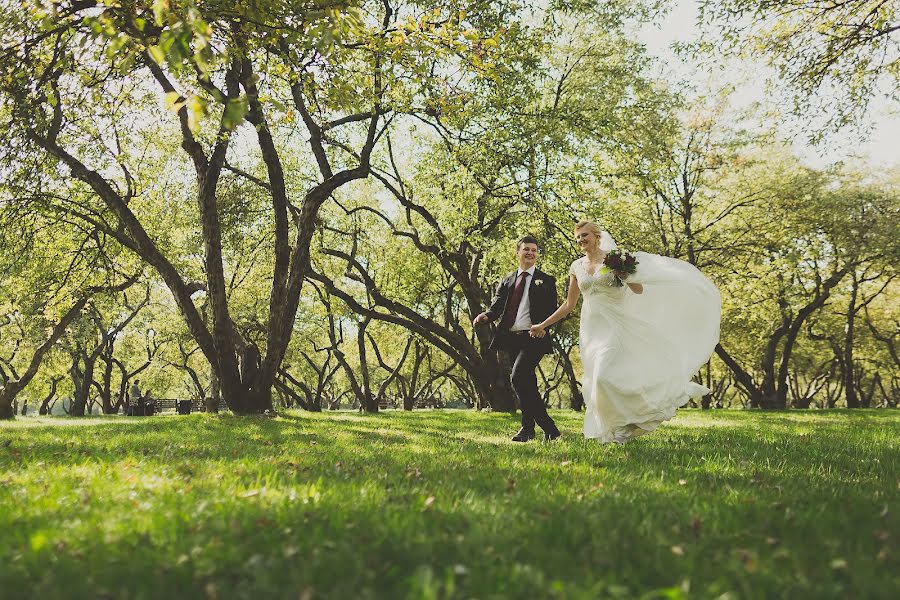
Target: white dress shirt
point(523, 317)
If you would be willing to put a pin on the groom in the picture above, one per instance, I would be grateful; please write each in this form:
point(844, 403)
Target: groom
point(524, 297)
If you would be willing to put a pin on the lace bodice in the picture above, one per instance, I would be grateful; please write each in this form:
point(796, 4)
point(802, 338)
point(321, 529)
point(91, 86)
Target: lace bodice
point(594, 284)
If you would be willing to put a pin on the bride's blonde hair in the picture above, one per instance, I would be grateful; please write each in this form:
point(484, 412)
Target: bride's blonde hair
point(590, 226)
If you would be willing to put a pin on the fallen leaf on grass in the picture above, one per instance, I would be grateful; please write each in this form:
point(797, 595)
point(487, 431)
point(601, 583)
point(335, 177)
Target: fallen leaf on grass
point(748, 558)
point(428, 502)
point(696, 524)
point(682, 482)
point(677, 550)
point(248, 494)
point(211, 591)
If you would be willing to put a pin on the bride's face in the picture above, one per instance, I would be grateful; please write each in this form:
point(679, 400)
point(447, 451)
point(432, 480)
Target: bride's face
point(587, 240)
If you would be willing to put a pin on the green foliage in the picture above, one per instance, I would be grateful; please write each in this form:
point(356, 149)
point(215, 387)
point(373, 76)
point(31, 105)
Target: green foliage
point(444, 505)
point(493, 121)
point(836, 55)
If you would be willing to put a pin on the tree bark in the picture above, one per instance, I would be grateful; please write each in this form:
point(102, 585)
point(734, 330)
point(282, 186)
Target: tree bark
point(849, 374)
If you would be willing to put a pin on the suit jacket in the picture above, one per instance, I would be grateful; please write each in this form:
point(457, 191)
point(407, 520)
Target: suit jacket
point(542, 302)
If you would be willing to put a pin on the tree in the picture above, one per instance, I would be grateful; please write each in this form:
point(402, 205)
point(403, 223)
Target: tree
point(836, 54)
point(70, 72)
point(833, 233)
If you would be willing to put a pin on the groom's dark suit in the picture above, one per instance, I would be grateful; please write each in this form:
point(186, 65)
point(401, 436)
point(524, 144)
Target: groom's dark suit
point(526, 351)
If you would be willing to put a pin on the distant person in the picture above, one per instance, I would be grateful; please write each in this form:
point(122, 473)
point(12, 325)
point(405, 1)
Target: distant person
point(135, 400)
point(135, 391)
point(149, 403)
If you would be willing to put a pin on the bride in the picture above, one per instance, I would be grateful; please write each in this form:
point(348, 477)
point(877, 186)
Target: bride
point(640, 342)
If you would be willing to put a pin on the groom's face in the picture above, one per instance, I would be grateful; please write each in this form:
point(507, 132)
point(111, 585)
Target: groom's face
point(527, 255)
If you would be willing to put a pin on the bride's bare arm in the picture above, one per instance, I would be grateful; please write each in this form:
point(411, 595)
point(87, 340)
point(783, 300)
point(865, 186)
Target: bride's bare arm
point(637, 288)
point(564, 309)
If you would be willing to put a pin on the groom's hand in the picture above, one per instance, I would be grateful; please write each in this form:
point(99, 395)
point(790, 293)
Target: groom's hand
point(537, 331)
point(480, 319)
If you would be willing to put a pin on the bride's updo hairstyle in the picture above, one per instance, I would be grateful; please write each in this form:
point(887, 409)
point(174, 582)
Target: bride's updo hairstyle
point(590, 226)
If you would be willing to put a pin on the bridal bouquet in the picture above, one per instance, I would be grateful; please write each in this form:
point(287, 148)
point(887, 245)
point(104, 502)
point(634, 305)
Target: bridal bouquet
point(618, 261)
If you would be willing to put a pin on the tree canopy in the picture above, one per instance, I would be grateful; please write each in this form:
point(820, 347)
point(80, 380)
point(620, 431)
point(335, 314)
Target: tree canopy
point(301, 203)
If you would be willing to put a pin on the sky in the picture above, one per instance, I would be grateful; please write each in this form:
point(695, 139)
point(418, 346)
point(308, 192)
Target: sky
point(881, 149)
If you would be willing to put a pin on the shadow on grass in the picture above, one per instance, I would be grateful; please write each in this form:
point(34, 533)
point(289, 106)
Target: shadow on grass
point(443, 505)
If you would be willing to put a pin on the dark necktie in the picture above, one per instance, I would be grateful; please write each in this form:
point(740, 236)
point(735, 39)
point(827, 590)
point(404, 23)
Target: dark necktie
point(512, 307)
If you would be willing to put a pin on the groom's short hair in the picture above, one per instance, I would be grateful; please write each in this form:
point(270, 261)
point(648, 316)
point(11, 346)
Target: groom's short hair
point(528, 239)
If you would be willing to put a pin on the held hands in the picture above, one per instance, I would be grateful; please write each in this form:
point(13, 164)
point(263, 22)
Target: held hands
point(537, 331)
point(480, 319)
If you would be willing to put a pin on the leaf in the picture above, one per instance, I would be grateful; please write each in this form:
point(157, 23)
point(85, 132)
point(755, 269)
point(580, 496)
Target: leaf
point(159, 9)
point(174, 101)
point(235, 112)
point(196, 112)
point(157, 54)
point(38, 541)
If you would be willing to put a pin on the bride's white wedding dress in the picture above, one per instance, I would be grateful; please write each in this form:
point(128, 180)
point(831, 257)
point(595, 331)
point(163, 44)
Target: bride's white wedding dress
point(640, 351)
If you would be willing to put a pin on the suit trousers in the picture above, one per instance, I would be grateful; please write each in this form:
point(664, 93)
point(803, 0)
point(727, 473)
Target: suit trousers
point(525, 353)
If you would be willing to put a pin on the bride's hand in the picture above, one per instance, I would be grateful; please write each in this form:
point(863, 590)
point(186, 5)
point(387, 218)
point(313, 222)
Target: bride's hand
point(537, 331)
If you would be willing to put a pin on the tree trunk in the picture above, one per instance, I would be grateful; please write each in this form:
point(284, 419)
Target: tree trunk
point(83, 383)
point(106, 394)
point(6, 402)
point(576, 398)
point(46, 403)
point(849, 375)
point(493, 386)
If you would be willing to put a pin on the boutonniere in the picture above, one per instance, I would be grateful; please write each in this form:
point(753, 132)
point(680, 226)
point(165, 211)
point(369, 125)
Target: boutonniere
point(538, 281)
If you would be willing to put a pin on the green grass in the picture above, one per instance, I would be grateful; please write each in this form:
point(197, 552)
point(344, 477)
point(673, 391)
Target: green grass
point(440, 504)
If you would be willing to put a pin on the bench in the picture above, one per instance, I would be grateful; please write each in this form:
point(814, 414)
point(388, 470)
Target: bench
point(181, 407)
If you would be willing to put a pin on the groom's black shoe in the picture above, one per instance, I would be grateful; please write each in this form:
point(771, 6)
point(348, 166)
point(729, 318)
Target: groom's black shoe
point(549, 437)
point(523, 436)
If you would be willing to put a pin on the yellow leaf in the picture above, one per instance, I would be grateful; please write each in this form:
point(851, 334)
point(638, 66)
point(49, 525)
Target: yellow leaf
point(174, 101)
point(38, 541)
point(157, 54)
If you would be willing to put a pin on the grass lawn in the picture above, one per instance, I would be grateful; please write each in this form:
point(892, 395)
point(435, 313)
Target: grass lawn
point(440, 504)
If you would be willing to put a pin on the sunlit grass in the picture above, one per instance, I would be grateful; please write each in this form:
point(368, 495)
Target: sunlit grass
point(439, 504)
